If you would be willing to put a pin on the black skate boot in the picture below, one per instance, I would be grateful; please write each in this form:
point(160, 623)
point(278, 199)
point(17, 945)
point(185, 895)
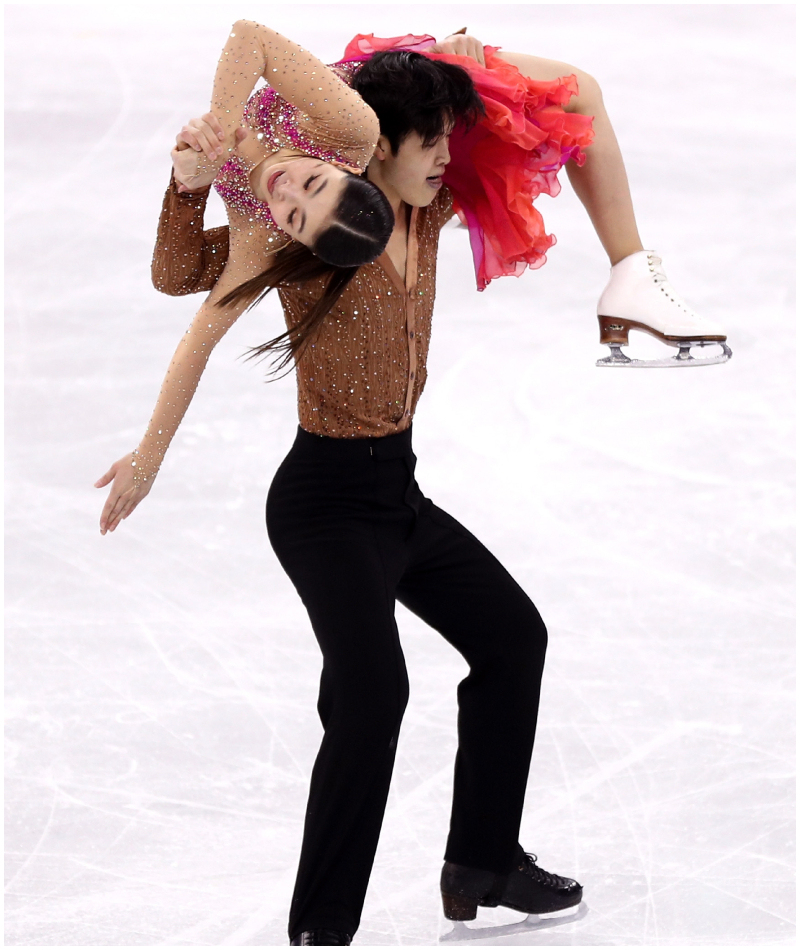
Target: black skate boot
point(528, 889)
point(321, 938)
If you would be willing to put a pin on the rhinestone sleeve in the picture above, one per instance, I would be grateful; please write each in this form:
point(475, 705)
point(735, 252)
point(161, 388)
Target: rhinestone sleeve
point(325, 111)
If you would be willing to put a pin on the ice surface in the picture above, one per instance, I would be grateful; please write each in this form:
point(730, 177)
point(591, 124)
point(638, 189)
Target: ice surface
point(161, 680)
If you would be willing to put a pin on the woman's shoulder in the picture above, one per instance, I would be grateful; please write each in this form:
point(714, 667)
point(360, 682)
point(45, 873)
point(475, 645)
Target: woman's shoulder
point(280, 125)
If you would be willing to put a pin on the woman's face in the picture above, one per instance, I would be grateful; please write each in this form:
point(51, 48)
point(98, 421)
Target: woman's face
point(301, 194)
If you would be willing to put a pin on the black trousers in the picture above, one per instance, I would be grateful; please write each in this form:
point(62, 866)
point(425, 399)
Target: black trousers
point(355, 534)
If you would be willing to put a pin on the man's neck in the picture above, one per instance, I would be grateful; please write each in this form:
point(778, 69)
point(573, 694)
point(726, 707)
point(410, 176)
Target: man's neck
point(398, 242)
point(394, 199)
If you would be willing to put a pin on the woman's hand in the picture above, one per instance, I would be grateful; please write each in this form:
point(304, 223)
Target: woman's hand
point(125, 493)
point(459, 44)
point(198, 145)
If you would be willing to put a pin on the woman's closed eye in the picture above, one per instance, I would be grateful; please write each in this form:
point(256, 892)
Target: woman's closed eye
point(306, 185)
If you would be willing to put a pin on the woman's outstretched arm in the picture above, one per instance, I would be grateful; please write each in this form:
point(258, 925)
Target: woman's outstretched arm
point(132, 476)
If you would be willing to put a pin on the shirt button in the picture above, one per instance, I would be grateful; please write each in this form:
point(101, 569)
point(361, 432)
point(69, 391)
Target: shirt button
point(411, 334)
point(412, 375)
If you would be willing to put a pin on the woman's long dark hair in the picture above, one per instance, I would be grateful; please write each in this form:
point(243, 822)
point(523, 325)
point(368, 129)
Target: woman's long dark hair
point(359, 231)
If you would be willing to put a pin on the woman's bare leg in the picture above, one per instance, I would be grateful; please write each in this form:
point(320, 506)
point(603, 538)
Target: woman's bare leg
point(601, 183)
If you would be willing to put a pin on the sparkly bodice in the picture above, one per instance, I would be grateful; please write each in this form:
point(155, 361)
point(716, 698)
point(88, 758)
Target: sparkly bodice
point(277, 124)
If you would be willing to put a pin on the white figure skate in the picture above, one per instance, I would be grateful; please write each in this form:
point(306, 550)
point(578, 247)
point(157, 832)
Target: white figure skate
point(638, 296)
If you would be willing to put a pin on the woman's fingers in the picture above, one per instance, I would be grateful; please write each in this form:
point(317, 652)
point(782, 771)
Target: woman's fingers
point(120, 509)
point(213, 123)
point(120, 515)
point(209, 133)
point(199, 135)
point(194, 138)
point(460, 45)
point(107, 514)
point(111, 510)
point(130, 508)
point(124, 495)
point(108, 477)
point(209, 142)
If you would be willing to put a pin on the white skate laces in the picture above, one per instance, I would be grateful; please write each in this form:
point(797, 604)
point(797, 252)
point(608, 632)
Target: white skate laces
point(660, 280)
point(639, 296)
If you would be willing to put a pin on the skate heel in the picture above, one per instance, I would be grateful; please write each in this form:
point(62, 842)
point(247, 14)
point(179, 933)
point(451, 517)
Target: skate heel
point(460, 907)
point(613, 330)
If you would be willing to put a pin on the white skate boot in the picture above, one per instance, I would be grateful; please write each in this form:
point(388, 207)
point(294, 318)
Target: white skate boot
point(639, 297)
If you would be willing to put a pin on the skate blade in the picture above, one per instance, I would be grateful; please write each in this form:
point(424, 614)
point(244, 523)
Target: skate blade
point(683, 357)
point(461, 933)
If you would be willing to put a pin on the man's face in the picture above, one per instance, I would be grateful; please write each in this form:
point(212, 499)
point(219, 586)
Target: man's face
point(414, 174)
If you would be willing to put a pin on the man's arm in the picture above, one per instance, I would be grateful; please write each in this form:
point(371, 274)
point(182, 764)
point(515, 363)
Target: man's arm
point(187, 259)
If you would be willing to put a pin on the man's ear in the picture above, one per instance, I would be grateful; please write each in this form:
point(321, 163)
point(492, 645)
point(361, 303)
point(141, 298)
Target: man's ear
point(383, 149)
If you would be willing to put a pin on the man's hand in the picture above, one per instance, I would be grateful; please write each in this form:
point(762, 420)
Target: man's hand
point(459, 44)
point(199, 144)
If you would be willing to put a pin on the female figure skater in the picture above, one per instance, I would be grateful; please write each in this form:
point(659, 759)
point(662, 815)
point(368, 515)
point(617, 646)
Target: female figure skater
point(515, 150)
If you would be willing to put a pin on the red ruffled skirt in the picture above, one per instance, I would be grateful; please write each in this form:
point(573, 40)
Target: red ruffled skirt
point(514, 154)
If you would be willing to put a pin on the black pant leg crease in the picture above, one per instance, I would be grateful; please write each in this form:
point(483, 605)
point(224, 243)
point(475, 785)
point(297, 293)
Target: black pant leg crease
point(461, 590)
point(341, 567)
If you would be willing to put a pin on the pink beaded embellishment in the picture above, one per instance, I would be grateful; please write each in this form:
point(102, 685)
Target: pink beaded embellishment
point(277, 121)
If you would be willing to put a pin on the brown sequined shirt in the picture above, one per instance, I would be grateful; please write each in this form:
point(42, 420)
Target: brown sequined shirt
point(365, 370)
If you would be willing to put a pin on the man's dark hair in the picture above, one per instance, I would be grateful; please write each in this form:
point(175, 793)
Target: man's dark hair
point(411, 93)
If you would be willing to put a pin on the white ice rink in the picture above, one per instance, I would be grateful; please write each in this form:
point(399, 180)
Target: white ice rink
point(162, 680)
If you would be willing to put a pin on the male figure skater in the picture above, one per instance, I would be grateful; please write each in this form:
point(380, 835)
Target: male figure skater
point(497, 726)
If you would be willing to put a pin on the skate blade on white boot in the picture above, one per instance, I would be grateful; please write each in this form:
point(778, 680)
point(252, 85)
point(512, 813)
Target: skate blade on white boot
point(639, 297)
point(612, 331)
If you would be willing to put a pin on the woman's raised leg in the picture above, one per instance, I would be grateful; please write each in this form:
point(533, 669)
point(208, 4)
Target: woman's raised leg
point(601, 182)
point(638, 295)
